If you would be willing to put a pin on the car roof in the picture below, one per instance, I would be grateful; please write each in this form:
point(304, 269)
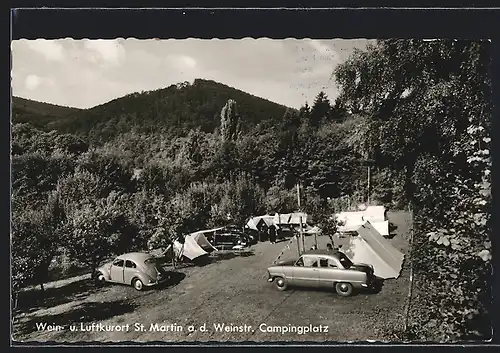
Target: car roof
point(137, 256)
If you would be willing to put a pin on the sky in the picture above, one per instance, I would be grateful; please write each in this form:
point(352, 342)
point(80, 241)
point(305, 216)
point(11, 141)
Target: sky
point(86, 73)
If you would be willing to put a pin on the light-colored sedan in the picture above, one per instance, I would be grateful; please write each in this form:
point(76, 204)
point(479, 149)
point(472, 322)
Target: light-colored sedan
point(323, 269)
point(136, 269)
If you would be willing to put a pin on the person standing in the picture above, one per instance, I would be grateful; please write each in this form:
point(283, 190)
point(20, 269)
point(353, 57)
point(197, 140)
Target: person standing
point(272, 234)
point(332, 242)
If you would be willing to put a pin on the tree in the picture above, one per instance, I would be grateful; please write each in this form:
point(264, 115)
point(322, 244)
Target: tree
point(338, 112)
point(411, 93)
point(280, 200)
point(229, 121)
point(114, 174)
point(241, 199)
point(423, 122)
point(36, 235)
point(97, 229)
point(320, 110)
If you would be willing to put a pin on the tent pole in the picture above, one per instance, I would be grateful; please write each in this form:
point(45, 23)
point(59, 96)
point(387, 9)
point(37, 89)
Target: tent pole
point(368, 185)
point(173, 258)
point(298, 195)
point(302, 235)
point(298, 244)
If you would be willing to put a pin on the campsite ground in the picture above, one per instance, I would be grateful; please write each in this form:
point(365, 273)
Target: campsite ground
point(232, 289)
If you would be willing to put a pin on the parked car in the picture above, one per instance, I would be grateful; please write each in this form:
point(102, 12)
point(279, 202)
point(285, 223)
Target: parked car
point(323, 269)
point(136, 269)
point(250, 236)
point(229, 239)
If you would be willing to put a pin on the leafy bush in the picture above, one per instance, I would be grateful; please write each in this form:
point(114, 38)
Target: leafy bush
point(98, 229)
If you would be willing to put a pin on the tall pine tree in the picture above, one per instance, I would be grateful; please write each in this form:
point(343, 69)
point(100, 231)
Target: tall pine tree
point(320, 109)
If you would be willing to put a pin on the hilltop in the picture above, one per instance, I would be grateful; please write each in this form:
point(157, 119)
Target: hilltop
point(174, 110)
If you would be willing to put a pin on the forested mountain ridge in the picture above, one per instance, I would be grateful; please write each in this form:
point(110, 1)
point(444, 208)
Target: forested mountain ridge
point(174, 111)
point(39, 114)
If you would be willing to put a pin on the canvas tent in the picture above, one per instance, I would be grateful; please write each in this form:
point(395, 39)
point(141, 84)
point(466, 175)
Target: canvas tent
point(256, 223)
point(291, 218)
point(195, 245)
point(349, 221)
point(295, 218)
point(372, 248)
point(312, 230)
point(376, 215)
point(381, 227)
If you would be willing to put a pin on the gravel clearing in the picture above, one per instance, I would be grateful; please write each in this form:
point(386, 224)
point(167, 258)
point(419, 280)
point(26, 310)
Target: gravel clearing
point(232, 290)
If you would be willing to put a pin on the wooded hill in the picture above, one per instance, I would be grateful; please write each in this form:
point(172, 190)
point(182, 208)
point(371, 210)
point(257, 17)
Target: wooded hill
point(173, 111)
point(136, 172)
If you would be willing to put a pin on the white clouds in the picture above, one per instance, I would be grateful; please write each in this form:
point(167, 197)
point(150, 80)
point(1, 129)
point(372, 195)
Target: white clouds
point(32, 82)
point(84, 73)
point(52, 50)
point(182, 62)
point(187, 61)
point(105, 51)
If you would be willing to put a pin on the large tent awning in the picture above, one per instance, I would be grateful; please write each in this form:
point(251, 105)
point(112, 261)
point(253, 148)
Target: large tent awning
point(372, 248)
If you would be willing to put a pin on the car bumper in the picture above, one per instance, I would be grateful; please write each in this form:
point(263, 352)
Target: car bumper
point(370, 283)
point(269, 277)
point(155, 283)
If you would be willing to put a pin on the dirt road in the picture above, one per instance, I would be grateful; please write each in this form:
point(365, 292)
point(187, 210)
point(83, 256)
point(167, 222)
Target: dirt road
point(232, 291)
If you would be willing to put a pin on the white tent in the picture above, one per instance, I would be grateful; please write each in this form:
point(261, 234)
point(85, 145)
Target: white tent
point(376, 215)
point(381, 227)
point(282, 218)
point(372, 248)
point(290, 218)
point(296, 217)
point(312, 230)
point(253, 223)
point(349, 221)
point(195, 245)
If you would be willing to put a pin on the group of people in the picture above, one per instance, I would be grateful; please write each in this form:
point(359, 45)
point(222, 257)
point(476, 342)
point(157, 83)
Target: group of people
point(329, 246)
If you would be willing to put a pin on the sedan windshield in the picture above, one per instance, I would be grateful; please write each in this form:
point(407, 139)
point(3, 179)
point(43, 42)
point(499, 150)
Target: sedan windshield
point(344, 260)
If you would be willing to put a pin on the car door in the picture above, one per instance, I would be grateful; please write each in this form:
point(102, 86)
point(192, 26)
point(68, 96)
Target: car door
point(329, 271)
point(305, 272)
point(129, 271)
point(116, 271)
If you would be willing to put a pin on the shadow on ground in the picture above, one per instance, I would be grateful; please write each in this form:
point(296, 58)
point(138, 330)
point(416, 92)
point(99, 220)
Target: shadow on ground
point(174, 279)
point(377, 288)
point(85, 313)
point(220, 255)
point(392, 231)
point(36, 299)
point(214, 257)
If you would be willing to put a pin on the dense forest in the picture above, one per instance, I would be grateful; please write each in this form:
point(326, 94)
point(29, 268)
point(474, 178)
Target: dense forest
point(134, 173)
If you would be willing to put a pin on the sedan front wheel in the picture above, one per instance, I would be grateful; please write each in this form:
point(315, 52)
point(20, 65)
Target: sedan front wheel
point(280, 283)
point(344, 289)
